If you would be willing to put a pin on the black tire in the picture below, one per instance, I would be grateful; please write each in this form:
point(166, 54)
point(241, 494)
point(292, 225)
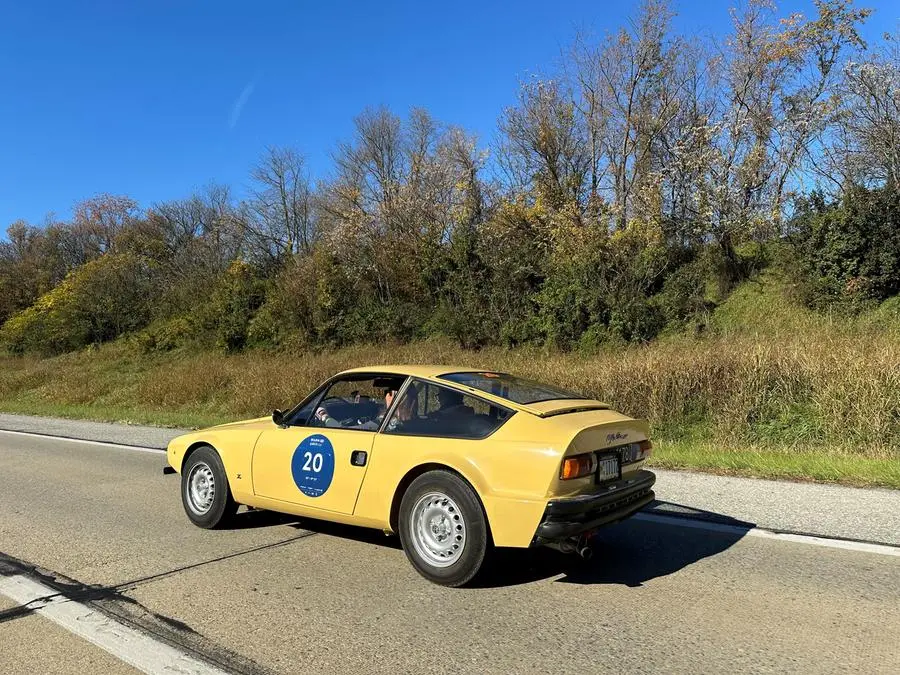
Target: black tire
point(423, 494)
point(222, 506)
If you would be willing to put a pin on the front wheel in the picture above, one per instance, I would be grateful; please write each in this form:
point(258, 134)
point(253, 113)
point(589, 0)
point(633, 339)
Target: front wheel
point(204, 490)
point(443, 528)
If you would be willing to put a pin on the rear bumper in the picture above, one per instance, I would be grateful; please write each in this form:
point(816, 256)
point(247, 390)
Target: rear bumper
point(566, 518)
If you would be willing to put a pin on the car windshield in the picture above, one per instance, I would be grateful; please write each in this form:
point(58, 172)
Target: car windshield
point(510, 387)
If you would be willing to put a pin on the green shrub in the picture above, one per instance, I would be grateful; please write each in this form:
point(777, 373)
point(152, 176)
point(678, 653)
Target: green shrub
point(168, 334)
point(264, 329)
point(231, 309)
point(636, 319)
point(684, 298)
point(463, 311)
point(849, 251)
point(595, 278)
point(101, 300)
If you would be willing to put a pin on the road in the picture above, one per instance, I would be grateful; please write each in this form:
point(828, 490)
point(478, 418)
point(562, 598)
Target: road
point(104, 529)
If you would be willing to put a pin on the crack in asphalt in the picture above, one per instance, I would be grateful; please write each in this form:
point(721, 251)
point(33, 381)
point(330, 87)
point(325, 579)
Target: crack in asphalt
point(134, 583)
point(111, 601)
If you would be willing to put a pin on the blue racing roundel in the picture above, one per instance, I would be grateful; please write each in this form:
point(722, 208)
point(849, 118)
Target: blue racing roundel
point(312, 465)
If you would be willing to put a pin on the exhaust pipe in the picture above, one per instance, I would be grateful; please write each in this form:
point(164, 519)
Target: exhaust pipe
point(577, 545)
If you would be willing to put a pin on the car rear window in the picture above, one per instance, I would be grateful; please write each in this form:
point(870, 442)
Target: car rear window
point(510, 387)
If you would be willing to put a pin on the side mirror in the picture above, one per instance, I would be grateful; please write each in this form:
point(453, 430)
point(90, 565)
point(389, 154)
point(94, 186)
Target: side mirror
point(278, 417)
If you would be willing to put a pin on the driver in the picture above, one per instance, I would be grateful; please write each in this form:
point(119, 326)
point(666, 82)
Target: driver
point(325, 419)
point(374, 423)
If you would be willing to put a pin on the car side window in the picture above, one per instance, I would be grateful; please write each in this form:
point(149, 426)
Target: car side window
point(355, 402)
point(427, 409)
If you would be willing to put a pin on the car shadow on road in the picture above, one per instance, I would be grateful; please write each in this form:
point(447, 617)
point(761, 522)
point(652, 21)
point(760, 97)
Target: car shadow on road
point(630, 553)
point(663, 539)
point(255, 518)
point(364, 535)
point(62, 587)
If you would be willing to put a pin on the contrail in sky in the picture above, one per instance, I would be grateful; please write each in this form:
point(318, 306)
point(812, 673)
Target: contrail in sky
point(239, 104)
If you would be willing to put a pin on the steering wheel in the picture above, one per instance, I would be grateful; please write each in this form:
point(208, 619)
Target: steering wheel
point(354, 421)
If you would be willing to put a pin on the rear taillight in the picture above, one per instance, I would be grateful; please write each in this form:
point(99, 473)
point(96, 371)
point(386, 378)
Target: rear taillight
point(578, 466)
point(646, 449)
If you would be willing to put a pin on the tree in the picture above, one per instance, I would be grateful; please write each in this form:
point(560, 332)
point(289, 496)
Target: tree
point(387, 214)
point(543, 146)
point(96, 222)
point(101, 300)
point(200, 235)
point(865, 148)
point(32, 261)
point(627, 90)
point(772, 82)
point(810, 102)
point(279, 215)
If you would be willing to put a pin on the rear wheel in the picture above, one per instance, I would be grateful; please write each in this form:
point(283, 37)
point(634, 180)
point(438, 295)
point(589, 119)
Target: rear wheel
point(205, 493)
point(443, 529)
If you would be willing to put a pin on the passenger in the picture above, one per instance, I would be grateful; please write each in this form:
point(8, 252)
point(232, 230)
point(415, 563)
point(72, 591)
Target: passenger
point(452, 404)
point(388, 399)
point(406, 410)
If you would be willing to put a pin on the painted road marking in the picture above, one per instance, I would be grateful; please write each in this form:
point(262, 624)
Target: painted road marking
point(84, 441)
point(763, 533)
point(125, 643)
point(677, 521)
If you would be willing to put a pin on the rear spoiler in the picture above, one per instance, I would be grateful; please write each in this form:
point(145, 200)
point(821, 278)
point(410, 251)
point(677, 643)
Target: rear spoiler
point(584, 407)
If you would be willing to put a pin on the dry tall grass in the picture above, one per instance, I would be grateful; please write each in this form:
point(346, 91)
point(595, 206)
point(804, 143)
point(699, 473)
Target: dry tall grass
point(806, 392)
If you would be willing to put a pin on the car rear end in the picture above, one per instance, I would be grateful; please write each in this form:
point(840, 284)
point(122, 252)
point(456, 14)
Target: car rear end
point(600, 479)
point(578, 464)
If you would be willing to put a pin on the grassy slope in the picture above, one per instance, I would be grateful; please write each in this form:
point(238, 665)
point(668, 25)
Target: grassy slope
point(772, 390)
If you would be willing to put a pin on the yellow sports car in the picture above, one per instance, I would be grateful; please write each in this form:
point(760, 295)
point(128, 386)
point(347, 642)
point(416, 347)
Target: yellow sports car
point(455, 461)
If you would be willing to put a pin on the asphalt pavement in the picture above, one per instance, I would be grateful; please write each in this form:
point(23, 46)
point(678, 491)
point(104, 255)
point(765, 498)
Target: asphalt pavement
point(104, 529)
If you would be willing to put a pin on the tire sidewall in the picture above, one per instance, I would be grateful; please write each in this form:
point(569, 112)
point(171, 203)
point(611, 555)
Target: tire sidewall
point(222, 502)
point(477, 536)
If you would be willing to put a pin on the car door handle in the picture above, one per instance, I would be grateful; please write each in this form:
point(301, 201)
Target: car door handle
point(358, 457)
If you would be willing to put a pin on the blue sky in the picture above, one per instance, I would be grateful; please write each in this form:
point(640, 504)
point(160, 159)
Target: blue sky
point(156, 99)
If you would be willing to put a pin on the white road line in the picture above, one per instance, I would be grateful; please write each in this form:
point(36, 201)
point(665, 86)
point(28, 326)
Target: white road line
point(763, 533)
point(84, 441)
point(123, 642)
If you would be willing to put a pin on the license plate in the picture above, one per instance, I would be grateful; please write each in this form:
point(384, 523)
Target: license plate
point(608, 469)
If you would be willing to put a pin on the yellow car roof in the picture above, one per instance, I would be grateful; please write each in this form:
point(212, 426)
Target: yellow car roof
point(429, 371)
